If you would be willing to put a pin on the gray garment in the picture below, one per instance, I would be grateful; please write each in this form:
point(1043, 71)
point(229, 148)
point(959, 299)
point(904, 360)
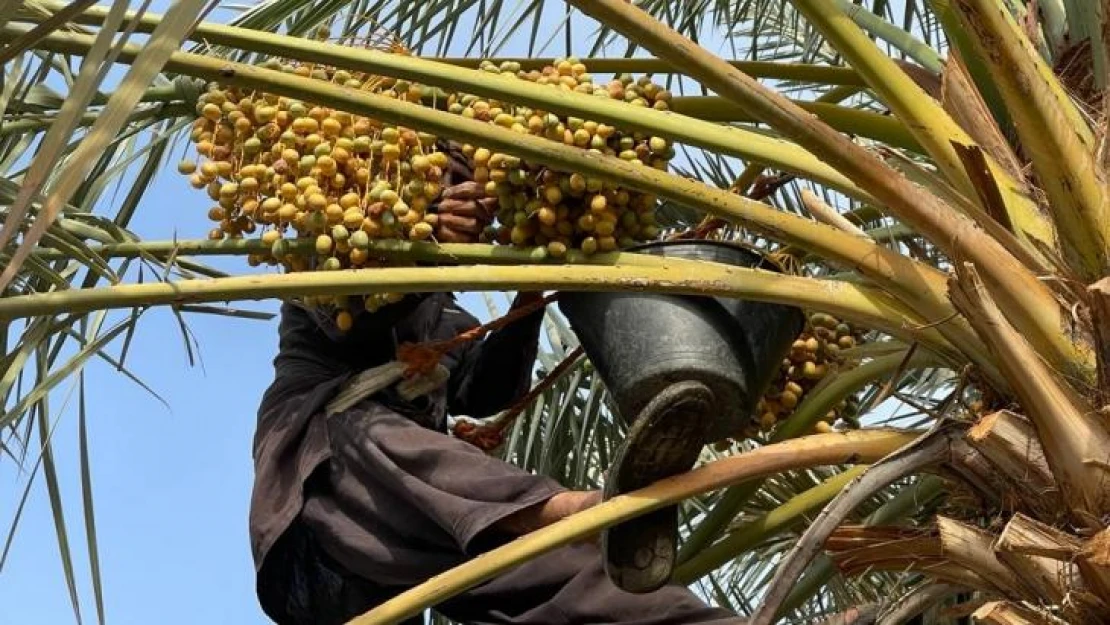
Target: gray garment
point(403, 503)
point(291, 438)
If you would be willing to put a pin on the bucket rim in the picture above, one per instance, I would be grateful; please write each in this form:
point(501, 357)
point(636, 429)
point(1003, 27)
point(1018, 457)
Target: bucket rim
point(763, 257)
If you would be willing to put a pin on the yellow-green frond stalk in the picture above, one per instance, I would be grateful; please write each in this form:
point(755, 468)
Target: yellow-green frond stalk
point(1057, 139)
point(933, 128)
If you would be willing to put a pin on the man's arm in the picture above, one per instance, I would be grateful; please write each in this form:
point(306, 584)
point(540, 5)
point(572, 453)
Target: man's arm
point(496, 372)
point(557, 508)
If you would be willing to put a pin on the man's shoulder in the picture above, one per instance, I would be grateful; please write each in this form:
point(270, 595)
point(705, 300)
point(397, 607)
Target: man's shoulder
point(452, 314)
point(290, 389)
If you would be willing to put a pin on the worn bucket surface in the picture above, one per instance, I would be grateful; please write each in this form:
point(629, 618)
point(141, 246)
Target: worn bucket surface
point(642, 342)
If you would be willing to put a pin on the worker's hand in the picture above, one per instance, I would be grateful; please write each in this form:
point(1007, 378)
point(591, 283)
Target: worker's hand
point(464, 212)
point(558, 507)
point(572, 502)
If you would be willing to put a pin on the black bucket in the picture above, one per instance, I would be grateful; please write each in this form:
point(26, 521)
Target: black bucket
point(642, 342)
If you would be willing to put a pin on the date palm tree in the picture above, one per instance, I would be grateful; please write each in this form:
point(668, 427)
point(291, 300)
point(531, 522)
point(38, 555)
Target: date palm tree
point(934, 171)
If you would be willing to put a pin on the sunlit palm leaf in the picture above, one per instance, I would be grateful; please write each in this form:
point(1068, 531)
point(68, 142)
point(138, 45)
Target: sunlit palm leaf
point(87, 500)
point(56, 507)
point(54, 141)
point(55, 21)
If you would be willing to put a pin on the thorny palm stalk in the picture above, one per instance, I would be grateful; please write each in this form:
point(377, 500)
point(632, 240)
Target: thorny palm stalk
point(976, 225)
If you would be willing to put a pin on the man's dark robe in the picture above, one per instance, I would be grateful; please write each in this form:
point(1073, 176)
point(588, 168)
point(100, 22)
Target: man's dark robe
point(350, 509)
point(292, 436)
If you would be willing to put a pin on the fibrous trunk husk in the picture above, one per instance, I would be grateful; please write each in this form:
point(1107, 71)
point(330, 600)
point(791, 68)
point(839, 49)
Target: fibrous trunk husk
point(1054, 582)
point(1028, 536)
point(970, 547)
point(858, 549)
point(1006, 613)
point(1094, 564)
point(1010, 442)
point(974, 471)
point(1075, 439)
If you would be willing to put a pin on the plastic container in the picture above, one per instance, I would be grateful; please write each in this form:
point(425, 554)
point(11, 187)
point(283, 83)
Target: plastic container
point(642, 342)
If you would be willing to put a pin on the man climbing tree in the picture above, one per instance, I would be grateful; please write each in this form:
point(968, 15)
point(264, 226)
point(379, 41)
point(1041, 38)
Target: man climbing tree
point(360, 494)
